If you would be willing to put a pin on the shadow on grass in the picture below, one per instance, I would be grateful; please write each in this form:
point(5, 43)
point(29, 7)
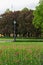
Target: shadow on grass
point(22, 40)
point(29, 40)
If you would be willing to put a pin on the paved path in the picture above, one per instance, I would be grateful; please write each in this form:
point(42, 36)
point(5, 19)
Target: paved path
point(6, 40)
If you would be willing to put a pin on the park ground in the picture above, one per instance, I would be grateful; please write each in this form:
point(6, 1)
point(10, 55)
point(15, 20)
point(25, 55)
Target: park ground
point(20, 53)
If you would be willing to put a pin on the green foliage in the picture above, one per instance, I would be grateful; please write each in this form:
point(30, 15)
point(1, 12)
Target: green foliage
point(25, 9)
point(38, 16)
point(7, 11)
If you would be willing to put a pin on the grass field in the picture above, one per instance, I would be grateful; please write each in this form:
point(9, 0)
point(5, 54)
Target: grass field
point(21, 53)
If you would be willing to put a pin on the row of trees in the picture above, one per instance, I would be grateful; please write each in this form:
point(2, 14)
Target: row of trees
point(38, 17)
point(24, 22)
point(29, 22)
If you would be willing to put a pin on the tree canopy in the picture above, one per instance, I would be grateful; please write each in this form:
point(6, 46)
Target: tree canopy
point(38, 16)
point(24, 24)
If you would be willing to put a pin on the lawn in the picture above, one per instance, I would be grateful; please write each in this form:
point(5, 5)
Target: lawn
point(20, 53)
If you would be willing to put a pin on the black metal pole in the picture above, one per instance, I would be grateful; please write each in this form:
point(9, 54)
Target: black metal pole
point(14, 32)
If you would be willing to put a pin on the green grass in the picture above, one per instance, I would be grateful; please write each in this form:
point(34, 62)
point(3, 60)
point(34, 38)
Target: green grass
point(24, 39)
point(21, 53)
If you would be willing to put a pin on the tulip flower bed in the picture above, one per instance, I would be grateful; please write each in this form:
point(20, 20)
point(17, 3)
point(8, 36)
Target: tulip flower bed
point(21, 53)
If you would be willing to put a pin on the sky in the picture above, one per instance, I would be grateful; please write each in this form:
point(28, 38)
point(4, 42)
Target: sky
point(15, 5)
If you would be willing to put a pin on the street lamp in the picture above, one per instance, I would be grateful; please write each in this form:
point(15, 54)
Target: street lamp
point(14, 30)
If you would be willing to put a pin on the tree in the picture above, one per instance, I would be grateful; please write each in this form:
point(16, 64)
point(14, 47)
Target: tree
point(7, 22)
point(6, 25)
point(25, 9)
point(7, 11)
point(41, 1)
point(38, 17)
point(25, 22)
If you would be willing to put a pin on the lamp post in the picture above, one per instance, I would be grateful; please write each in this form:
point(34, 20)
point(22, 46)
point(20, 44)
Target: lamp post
point(14, 30)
